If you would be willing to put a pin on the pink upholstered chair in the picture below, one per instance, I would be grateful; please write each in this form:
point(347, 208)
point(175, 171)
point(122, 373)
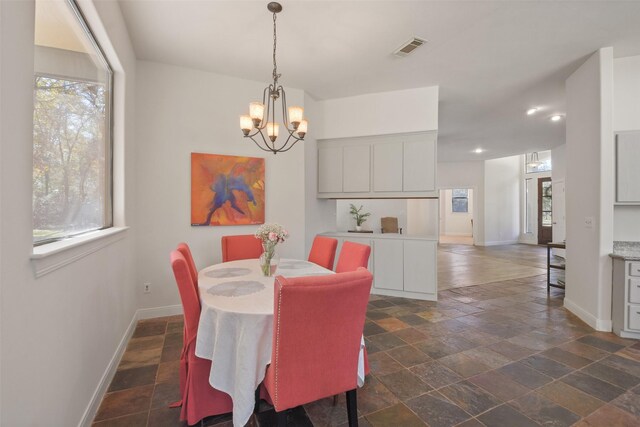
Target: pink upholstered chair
point(198, 398)
point(183, 248)
point(317, 331)
point(353, 256)
point(244, 246)
point(323, 251)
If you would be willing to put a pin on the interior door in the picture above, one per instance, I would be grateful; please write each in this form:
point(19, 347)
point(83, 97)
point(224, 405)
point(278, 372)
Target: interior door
point(545, 221)
point(558, 215)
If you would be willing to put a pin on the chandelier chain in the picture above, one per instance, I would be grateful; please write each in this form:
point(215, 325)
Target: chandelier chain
point(275, 66)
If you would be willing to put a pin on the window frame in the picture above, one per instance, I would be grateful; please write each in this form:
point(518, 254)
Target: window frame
point(109, 128)
point(459, 198)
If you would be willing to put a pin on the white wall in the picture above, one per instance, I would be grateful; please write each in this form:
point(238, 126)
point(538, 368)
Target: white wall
point(502, 200)
point(422, 217)
point(320, 214)
point(559, 173)
point(455, 223)
point(467, 175)
point(589, 189)
point(198, 111)
point(59, 331)
point(626, 107)
point(411, 110)
point(559, 162)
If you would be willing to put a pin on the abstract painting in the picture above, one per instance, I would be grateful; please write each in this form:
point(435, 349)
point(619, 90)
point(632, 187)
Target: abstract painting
point(226, 190)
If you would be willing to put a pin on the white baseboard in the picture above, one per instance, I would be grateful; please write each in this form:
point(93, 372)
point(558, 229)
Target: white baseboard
point(150, 313)
point(496, 243)
point(109, 373)
point(456, 234)
point(597, 324)
point(103, 385)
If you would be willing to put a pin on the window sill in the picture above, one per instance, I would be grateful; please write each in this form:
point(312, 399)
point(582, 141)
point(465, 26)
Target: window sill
point(52, 256)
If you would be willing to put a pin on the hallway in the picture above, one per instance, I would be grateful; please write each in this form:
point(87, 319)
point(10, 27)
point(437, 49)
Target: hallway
point(464, 265)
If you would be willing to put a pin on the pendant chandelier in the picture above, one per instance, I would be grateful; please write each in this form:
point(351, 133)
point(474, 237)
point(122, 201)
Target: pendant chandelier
point(534, 163)
point(262, 115)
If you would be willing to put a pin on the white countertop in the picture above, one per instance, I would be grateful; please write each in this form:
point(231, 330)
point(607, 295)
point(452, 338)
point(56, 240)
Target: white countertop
point(379, 236)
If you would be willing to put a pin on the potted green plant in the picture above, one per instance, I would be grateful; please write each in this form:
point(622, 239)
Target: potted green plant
point(358, 215)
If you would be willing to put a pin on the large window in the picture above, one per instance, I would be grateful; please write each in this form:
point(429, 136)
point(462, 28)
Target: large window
point(71, 126)
point(460, 200)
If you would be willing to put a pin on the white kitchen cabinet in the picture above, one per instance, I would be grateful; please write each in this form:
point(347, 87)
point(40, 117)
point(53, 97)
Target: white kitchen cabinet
point(625, 307)
point(417, 156)
point(387, 167)
point(420, 266)
point(402, 266)
point(356, 170)
point(330, 169)
point(388, 264)
point(627, 168)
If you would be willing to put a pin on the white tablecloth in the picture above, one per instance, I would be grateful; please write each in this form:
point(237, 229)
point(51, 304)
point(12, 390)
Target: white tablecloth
point(236, 327)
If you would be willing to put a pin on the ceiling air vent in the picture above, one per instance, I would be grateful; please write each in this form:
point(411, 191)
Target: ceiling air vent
point(409, 46)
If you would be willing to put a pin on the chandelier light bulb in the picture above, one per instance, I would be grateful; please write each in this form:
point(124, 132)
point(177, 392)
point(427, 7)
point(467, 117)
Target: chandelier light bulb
point(295, 116)
point(246, 124)
point(302, 128)
point(256, 111)
point(272, 130)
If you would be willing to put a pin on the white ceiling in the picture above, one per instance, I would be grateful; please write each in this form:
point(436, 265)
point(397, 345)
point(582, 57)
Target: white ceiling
point(492, 59)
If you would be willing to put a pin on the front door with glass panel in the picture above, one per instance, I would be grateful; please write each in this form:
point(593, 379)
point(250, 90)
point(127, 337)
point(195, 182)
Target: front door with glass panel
point(545, 220)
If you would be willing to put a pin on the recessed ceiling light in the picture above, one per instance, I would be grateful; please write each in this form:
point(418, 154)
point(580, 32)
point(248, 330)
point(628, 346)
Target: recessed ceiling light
point(532, 111)
point(478, 150)
point(556, 118)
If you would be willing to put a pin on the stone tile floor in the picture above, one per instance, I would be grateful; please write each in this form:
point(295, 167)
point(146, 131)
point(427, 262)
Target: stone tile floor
point(497, 354)
point(465, 265)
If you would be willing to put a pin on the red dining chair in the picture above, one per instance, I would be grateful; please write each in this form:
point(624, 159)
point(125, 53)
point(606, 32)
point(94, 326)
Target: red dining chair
point(353, 256)
point(198, 398)
point(183, 248)
point(244, 246)
point(318, 323)
point(323, 251)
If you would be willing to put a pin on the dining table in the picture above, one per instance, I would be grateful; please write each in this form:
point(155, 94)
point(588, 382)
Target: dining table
point(236, 326)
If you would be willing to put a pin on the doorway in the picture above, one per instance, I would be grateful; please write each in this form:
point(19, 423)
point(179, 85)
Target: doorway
point(456, 216)
point(545, 209)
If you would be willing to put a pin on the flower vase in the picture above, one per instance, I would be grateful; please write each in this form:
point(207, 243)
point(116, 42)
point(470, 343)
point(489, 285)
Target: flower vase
point(269, 259)
point(358, 228)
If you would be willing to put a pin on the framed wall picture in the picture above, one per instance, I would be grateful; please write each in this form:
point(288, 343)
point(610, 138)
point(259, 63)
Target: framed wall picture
point(226, 190)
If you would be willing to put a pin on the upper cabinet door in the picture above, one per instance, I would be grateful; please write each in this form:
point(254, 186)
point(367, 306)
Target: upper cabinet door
point(330, 169)
point(356, 169)
point(387, 167)
point(627, 170)
point(419, 171)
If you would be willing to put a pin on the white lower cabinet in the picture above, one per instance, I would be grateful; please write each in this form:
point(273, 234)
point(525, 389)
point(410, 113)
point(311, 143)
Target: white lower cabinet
point(420, 267)
point(401, 266)
point(625, 307)
point(388, 264)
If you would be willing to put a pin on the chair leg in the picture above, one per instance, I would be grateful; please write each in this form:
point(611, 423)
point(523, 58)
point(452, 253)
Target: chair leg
point(281, 419)
point(352, 408)
point(256, 407)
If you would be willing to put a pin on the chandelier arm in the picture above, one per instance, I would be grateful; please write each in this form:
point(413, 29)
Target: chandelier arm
point(283, 149)
point(259, 146)
point(285, 113)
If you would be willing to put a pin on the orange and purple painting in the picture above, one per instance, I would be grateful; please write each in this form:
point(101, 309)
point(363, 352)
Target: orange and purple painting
point(226, 190)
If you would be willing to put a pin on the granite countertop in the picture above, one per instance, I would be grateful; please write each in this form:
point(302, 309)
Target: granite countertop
point(628, 251)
